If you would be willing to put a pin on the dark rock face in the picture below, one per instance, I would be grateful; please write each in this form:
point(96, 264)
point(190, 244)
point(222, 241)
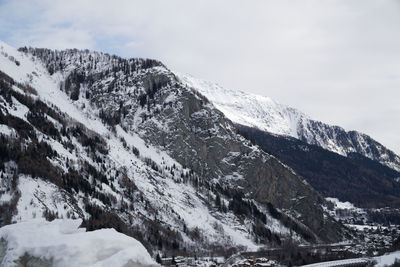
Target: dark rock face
point(338, 140)
point(354, 178)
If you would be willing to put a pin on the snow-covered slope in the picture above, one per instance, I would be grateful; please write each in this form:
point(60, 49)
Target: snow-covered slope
point(122, 143)
point(62, 243)
point(268, 115)
point(155, 177)
point(249, 109)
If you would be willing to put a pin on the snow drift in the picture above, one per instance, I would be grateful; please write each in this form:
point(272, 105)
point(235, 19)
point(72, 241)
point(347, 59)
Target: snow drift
point(63, 243)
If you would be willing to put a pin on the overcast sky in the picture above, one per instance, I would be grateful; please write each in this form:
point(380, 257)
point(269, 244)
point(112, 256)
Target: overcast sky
point(337, 61)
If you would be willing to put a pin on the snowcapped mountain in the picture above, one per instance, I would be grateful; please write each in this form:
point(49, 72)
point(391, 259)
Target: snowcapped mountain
point(268, 115)
point(123, 143)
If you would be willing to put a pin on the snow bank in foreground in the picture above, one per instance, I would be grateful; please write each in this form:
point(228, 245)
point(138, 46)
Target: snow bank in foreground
point(63, 243)
point(387, 259)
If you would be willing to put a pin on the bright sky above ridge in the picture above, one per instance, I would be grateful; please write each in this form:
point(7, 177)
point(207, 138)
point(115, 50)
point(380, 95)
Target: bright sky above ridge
point(337, 61)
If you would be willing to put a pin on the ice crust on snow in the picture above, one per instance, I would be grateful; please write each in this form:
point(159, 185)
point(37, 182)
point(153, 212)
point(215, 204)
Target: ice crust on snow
point(63, 243)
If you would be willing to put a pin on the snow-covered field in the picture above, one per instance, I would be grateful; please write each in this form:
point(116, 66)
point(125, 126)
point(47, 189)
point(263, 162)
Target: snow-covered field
point(387, 259)
point(338, 263)
point(380, 261)
point(63, 243)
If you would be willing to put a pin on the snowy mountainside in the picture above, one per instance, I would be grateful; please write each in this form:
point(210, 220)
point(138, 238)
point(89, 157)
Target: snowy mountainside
point(122, 143)
point(268, 115)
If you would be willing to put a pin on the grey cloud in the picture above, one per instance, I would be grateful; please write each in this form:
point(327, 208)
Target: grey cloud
point(338, 61)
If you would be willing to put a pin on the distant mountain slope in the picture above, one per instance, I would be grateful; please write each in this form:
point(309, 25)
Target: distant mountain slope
point(355, 178)
point(268, 115)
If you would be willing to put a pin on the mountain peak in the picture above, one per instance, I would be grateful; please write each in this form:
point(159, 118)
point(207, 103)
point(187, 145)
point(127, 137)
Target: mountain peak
point(249, 109)
point(268, 115)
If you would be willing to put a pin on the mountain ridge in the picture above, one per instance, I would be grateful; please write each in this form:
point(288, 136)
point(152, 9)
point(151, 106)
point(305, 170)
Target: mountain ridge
point(122, 143)
point(355, 178)
point(266, 114)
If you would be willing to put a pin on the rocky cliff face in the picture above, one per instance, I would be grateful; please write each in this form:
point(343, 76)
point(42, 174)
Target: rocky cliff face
point(355, 178)
point(268, 115)
point(125, 144)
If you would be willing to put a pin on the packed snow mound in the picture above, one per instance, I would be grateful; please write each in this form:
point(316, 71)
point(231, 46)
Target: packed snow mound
point(63, 243)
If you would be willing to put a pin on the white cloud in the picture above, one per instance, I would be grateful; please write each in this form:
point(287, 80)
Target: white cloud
point(338, 61)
